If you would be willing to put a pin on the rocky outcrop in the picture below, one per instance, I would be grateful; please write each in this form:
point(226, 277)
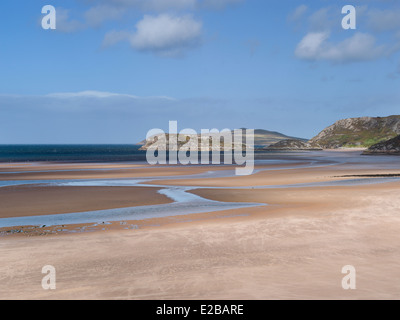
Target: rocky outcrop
point(193, 142)
point(291, 144)
point(391, 146)
point(357, 132)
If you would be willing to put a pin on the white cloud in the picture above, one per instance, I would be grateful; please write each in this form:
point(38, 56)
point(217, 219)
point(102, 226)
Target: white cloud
point(88, 94)
point(360, 47)
point(65, 23)
point(310, 46)
point(383, 20)
point(321, 20)
point(164, 34)
point(298, 13)
point(101, 95)
point(96, 15)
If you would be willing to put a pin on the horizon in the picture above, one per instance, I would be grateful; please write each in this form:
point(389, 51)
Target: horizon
point(141, 141)
point(111, 72)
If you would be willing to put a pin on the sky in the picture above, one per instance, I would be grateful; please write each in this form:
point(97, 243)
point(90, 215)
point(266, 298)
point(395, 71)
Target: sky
point(113, 70)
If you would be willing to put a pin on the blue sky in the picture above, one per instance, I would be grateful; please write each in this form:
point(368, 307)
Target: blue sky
point(112, 70)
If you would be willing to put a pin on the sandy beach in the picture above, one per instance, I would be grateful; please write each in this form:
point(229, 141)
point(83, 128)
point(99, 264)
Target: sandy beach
point(200, 150)
point(306, 220)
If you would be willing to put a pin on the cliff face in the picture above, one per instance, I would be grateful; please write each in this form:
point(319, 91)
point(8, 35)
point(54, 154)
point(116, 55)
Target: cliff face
point(391, 146)
point(357, 132)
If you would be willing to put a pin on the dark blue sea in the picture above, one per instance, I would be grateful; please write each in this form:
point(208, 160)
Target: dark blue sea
point(90, 153)
point(84, 153)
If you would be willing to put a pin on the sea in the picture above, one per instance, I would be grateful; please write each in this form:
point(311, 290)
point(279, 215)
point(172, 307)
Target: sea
point(79, 153)
point(85, 153)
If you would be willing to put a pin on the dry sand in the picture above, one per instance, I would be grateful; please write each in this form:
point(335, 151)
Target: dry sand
point(294, 248)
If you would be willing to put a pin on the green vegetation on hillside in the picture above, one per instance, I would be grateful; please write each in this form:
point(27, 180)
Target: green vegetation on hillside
point(358, 132)
point(364, 140)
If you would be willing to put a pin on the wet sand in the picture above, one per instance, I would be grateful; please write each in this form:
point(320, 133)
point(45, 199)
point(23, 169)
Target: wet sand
point(20, 201)
point(280, 177)
point(293, 248)
point(110, 171)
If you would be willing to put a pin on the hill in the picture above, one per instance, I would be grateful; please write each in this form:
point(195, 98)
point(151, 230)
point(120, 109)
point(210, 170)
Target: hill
point(357, 132)
point(261, 138)
point(266, 138)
